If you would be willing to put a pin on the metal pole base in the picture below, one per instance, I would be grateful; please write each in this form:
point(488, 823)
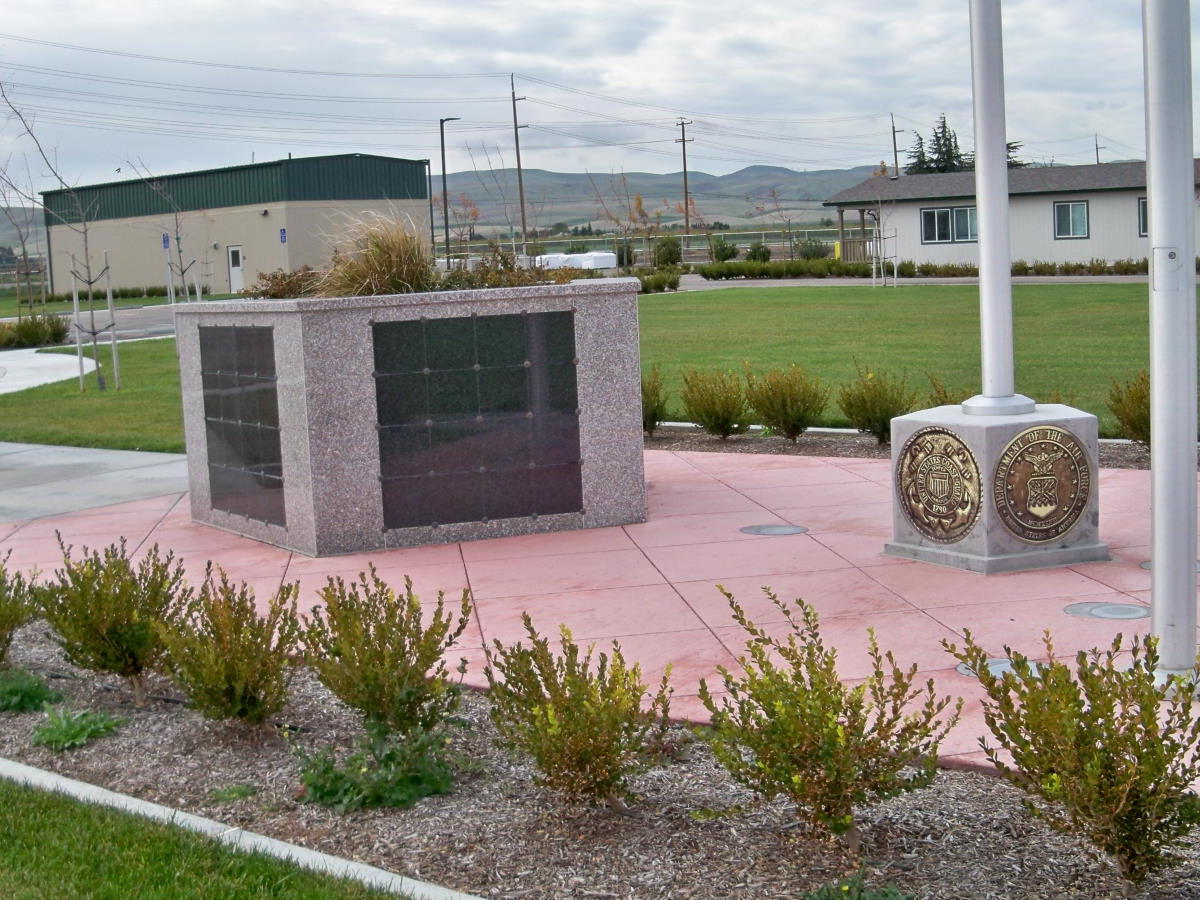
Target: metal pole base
point(1012, 405)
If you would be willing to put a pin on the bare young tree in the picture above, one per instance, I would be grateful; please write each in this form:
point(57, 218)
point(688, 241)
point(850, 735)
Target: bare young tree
point(773, 206)
point(625, 210)
point(22, 218)
point(158, 186)
point(76, 218)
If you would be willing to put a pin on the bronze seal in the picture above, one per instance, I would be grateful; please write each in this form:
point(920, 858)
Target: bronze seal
point(1043, 483)
point(938, 482)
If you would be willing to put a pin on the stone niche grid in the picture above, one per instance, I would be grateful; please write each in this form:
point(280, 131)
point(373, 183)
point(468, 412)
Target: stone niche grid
point(414, 419)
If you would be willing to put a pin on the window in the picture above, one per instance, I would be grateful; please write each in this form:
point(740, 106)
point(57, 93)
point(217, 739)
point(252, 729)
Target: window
point(1143, 218)
point(1070, 219)
point(952, 224)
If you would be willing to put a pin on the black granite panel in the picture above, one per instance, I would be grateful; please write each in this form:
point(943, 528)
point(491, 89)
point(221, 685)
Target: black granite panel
point(399, 346)
point(241, 410)
point(501, 340)
point(558, 489)
point(477, 418)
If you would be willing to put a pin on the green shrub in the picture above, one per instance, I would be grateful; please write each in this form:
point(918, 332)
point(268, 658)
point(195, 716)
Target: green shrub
point(1020, 267)
point(1130, 404)
point(21, 691)
point(36, 330)
point(855, 888)
point(108, 611)
point(941, 395)
point(231, 662)
point(786, 400)
point(1098, 266)
point(64, 730)
point(281, 285)
point(716, 402)
point(906, 268)
point(668, 251)
point(372, 649)
point(1041, 267)
point(17, 605)
point(875, 398)
point(812, 249)
point(758, 252)
point(378, 256)
point(654, 400)
point(387, 769)
point(927, 269)
point(790, 726)
point(577, 247)
point(583, 724)
point(722, 249)
point(1126, 267)
point(1109, 750)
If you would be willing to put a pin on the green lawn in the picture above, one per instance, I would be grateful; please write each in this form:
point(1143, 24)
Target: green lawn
point(144, 415)
point(51, 846)
point(1072, 340)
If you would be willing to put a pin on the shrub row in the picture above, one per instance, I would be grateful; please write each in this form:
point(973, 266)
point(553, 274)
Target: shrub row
point(124, 293)
point(1104, 748)
point(817, 267)
point(33, 330)
point(787, 402)
point(656, 282)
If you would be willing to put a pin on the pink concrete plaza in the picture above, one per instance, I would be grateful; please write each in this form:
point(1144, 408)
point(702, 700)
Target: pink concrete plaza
point(652, 586)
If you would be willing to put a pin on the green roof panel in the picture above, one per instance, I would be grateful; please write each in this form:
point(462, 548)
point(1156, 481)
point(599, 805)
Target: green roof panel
point(351, 176)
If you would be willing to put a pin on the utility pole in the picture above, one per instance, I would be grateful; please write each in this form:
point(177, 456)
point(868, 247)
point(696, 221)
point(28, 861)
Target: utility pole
point(429, 192)
point(1098, 149)
point(683, 141)
point(520, 177)
point(445, 192)
point(895, 151)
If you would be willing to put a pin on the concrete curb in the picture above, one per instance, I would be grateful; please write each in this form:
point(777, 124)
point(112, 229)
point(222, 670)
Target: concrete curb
point(822, 430)
point(236, 838)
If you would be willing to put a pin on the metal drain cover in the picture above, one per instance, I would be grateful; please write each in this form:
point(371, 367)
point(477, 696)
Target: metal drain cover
point(997, 666)
point(1147, 565)
point(1095, 610)
point(773, 529)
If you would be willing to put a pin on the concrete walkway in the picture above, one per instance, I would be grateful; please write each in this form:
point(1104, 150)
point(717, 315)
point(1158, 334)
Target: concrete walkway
point(21, 369)
point(653, 586)
point(38, 480)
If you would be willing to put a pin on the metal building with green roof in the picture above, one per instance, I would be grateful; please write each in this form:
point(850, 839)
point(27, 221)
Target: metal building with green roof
point(230, 223)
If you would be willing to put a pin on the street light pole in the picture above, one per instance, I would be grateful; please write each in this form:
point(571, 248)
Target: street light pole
point(445, 192)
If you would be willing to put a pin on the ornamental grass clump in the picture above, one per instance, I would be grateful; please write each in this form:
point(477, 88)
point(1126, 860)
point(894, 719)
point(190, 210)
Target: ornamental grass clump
point(17, 605)
point(1104, 749)
point(654, 400)
point(789, 725)
point(580, 717)
point(108, 610)
point(372, 648)
point(787, 401)
point(716, 402)
point(231, 662)
point(378, 256)
point(873, 399)
point(1130, 404)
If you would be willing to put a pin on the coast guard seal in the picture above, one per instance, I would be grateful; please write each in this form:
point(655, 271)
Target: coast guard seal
point(937, 479)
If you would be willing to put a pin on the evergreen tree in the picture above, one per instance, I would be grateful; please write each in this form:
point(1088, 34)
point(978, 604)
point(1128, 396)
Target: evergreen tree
point(918, 162)
point(945, 155)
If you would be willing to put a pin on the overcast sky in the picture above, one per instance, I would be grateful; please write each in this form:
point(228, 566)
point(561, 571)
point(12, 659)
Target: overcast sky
point(803, 85)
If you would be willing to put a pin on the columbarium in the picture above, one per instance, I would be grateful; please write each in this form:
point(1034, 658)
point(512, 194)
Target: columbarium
point(331, 426)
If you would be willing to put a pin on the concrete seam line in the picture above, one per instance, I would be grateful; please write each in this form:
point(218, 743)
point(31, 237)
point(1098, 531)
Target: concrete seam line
point(234, 837)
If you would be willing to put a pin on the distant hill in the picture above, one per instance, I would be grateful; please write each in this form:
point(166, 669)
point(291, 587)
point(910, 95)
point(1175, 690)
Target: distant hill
point(575, 197)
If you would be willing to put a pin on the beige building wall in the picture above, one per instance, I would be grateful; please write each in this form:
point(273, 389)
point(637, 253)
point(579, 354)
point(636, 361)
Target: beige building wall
point(1112, 229)
point(315, 227)
point(137, 260)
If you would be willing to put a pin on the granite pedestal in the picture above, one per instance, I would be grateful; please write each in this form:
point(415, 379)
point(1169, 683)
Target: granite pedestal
point(332, 426)
point(996, 493)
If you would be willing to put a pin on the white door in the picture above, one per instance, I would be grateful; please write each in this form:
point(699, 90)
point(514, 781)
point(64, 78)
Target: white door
point(236, 282)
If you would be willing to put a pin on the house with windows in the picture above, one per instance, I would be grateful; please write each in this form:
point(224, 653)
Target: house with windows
point(230, 224)
point(1056, 214)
